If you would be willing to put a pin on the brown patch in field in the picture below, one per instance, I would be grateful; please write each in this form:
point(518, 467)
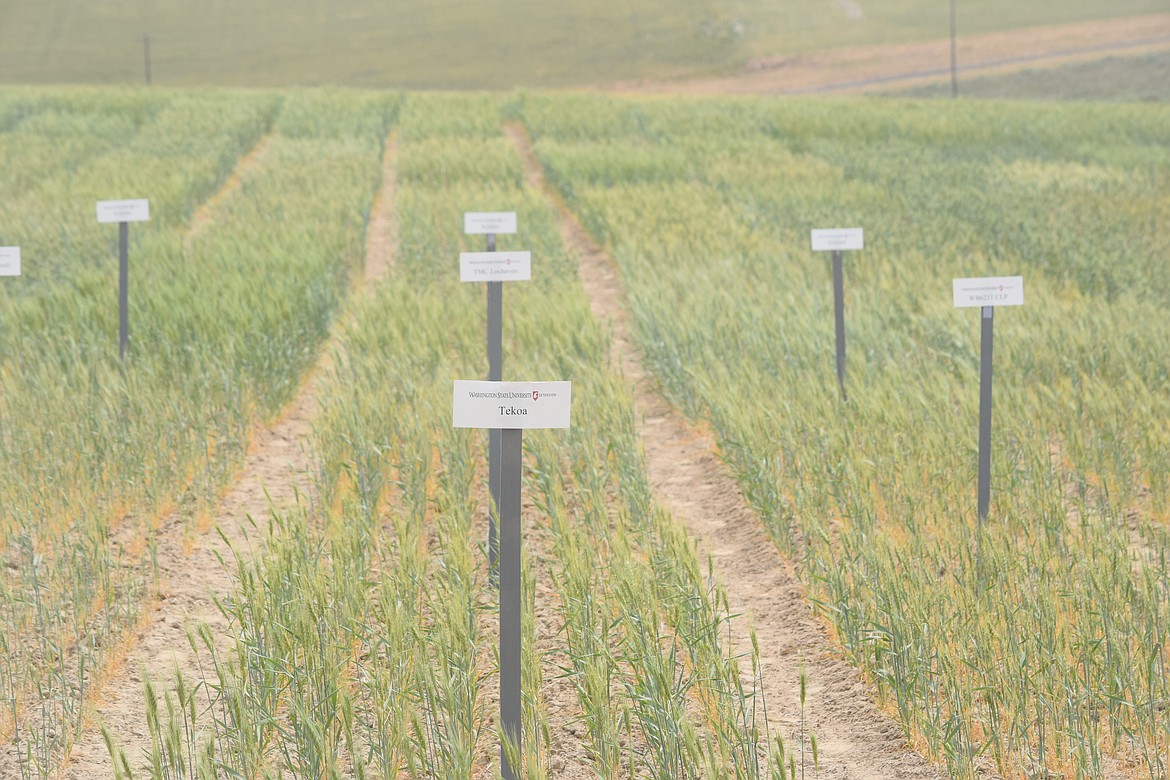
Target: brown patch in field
point(277, 476)
point(876, 68)
point(856, 739)
point(1085, 500)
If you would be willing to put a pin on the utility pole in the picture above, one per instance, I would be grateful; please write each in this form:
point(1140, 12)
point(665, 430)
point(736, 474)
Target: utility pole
point(954, 55)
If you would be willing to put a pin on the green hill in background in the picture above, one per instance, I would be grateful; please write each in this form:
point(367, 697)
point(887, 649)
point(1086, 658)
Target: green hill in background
point(459, 44)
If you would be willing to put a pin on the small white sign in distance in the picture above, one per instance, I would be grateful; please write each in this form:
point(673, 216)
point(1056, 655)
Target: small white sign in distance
point(480, 223)
point(9, 261)
point(512, 405)
point(838, 240)
point(495, 266)
point(989, 291)
point(123, 210)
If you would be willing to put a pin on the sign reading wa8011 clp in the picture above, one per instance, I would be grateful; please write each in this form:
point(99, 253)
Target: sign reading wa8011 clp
point(989, 291)
point(9, 261)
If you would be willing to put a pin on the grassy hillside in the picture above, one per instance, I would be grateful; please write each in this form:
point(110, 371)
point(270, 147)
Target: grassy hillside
point(448, 44)
point(1145, 78)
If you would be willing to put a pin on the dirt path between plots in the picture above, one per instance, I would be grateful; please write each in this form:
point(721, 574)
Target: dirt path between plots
point(206, 212)
point(870, 68)
point(856, 740)
point(276, 476)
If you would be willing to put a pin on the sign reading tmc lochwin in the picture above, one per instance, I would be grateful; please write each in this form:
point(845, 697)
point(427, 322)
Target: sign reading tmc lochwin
point(989, 291)
point(512, 405)
point(495, 266)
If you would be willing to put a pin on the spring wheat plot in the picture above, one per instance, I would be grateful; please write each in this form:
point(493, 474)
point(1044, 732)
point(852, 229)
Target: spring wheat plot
point(724, 568)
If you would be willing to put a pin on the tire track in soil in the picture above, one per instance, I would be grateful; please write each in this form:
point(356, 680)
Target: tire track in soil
point(856, 740)
point(277, 475)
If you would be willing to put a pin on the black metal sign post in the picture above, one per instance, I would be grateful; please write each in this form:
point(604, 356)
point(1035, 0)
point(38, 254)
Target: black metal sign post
point(146, 57)
point(954, 53)
point(985, 294)
point(511, 449)
point(493, 405)
point(123, 289)
point(986, 347)
point(489, 224)
point(837, 241)
point(839, 317)
point(495, 351)
point(123, 212)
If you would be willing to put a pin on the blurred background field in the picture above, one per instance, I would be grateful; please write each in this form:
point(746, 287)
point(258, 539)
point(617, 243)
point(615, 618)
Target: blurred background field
point(490, 45)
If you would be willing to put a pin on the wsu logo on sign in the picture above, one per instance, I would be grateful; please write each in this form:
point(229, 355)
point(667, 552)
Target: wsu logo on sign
point(535, 395)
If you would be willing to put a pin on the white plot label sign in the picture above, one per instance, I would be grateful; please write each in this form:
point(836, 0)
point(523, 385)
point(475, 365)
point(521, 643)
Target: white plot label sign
point(9, 261)
point(512, 405)
point(480, 223)
point(495, 266)
point(838, 240)
point(989, 291)
point(123, 210)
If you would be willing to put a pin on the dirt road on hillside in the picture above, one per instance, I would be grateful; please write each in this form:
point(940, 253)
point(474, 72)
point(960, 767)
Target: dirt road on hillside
point(873, 68)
